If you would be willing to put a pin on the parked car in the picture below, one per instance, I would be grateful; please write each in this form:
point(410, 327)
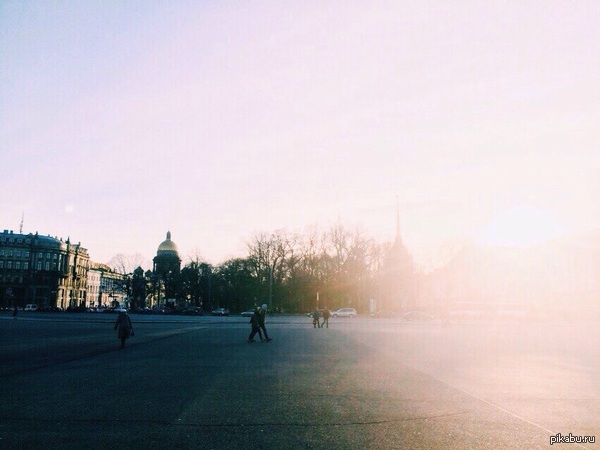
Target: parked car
point(31, 307)
point(195, 311)
point(220, 312)
point(385, 313)
point(344, 312)
point(48, 308)
point(417, 316)
point(248, 313)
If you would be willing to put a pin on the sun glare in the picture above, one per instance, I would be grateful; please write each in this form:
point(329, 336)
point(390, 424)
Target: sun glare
point(523, 226)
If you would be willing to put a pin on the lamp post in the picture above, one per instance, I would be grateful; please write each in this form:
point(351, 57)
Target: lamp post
point(271, 288)
point(209, 283)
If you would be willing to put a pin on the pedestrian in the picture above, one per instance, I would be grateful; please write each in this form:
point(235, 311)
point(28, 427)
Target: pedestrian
point(326, 315)
point(262, 315)
point(315, 315)
point(123, 327)
point(254, 323)
point(15, 312)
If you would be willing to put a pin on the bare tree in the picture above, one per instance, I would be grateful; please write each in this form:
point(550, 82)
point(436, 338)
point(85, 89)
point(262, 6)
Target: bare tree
point(195, 257)
point(268, 255)
point(126, 264)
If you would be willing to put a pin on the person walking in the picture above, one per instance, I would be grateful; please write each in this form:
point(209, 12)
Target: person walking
point(262, 315)
point(254, 323)
point(315, 315)
point(326, 315)
point(123, 327)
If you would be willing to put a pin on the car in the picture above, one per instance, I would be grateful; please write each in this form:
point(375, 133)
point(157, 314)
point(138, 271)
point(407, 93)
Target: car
point(417, 316)
point(248, 313)
point(344, 312)
point(195, 311)
point(220, 312)
point(31, 307)
point(382, 313)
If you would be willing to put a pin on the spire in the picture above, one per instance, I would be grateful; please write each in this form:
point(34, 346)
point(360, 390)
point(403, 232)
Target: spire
point(168, 235)
point(398, 239)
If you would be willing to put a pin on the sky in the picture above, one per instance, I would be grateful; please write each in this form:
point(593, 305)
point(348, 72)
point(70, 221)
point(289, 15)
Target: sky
point(120, 121)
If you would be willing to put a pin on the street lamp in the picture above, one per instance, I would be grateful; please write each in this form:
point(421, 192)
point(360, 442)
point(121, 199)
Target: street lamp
point(271, 288)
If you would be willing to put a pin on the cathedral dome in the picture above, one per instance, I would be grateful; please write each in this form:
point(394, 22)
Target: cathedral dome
point(167, 247)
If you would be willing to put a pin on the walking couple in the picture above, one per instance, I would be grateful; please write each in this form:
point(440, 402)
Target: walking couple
point(257, 321)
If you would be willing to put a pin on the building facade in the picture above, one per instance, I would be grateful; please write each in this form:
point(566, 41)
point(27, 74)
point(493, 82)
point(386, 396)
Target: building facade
point(106, 287)
point(561, 276)
point(43, 270)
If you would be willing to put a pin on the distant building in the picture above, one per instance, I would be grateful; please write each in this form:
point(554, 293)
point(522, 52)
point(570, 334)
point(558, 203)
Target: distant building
point(166, 269)
point(106, 287)
point(562, 275)
point(43, 270)
point(94, 298)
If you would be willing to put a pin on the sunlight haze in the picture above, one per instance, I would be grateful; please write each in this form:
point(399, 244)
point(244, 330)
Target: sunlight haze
point(120, 121)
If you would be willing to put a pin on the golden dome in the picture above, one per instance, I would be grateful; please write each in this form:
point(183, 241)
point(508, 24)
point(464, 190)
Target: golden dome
point(168, 247)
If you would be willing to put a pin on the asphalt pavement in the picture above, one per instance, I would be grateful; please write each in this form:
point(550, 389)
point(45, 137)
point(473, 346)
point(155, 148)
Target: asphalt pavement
point(195, 383)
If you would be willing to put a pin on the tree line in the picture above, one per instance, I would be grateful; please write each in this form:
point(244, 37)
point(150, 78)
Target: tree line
point(289, 271)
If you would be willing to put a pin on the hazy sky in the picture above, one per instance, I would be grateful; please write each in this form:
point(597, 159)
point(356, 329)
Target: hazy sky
point(120, 121)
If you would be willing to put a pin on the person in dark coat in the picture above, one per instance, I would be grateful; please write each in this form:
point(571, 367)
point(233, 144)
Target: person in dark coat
point(262, 314)
point(123, 327)
point(326, 315)
point(315, 315)
point(254, 323)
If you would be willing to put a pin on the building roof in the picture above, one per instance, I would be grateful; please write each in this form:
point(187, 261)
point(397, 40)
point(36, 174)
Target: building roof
point(9, 238)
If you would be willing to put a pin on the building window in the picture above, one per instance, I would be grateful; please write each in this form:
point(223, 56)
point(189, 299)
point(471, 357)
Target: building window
point(47, 265)
point(26, 265)
point(39, 265)
point(18, 265)
point(1, 264)
point(9, 264)
point(26, 255)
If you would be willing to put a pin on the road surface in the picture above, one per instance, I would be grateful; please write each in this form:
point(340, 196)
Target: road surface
point(194, 382)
